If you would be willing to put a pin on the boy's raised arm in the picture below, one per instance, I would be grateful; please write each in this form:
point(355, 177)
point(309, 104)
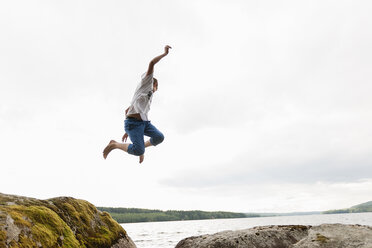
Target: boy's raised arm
point(155, 60)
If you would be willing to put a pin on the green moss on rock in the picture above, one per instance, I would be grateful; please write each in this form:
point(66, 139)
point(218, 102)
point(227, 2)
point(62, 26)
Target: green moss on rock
point(321, 238)
point(39, 225)
point(58, 222)
point(2, 238)
point(93, 228)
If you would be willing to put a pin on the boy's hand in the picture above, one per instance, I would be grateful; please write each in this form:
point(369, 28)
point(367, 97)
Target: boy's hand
point(166, 49)
point(125, 137)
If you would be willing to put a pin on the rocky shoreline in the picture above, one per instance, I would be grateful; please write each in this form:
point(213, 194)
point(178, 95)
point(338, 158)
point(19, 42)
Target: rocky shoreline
point(69, 222)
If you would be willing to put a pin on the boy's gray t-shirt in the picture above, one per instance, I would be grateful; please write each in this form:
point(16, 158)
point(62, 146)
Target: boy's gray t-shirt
point(142, 98)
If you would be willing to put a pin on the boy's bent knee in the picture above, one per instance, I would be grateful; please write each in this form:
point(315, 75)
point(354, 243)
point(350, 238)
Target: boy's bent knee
point(156, 140)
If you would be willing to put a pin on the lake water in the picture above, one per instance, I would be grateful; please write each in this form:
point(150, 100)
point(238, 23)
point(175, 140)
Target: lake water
point(168, 234)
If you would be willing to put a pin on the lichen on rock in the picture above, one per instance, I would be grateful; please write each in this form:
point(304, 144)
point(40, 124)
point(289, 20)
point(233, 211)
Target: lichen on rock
point(57, 222)
point(287, 236)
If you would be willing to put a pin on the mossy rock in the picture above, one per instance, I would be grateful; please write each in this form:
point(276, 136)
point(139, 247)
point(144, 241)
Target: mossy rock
point(321, 238)
point(58, 222)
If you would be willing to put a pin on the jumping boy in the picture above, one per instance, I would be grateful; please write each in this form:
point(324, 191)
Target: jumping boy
point(137, 124)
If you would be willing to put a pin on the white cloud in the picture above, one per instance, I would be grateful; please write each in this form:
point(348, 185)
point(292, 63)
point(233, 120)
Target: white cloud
point(253, 92)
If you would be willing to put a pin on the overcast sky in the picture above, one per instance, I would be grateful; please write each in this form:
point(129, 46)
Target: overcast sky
point(265, 105)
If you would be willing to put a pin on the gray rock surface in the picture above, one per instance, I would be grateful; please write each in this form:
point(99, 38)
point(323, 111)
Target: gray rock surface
point(338, 236)
point(289, 236)
point(124, 243)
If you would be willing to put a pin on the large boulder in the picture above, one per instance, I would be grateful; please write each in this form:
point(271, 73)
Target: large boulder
point(57, 222)
point(290, 236)
point(338, 236)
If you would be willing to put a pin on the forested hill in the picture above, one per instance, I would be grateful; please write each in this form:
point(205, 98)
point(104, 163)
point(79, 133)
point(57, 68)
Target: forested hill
point(361, 208)
point(131, 215)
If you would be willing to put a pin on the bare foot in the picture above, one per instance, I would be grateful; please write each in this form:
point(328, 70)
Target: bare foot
point(111, 146)
point(141, 158)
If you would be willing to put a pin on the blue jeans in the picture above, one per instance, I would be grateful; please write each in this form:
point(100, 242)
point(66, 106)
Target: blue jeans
point(136, 129)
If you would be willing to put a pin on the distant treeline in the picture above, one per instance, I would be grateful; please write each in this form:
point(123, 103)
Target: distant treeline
point(361, 208)
point(132, 215)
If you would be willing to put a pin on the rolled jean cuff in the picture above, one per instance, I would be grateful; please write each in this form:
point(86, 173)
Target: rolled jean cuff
point(137, 151)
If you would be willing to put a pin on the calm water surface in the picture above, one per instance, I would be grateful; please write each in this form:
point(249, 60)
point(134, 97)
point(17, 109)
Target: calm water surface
point(168, 234)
